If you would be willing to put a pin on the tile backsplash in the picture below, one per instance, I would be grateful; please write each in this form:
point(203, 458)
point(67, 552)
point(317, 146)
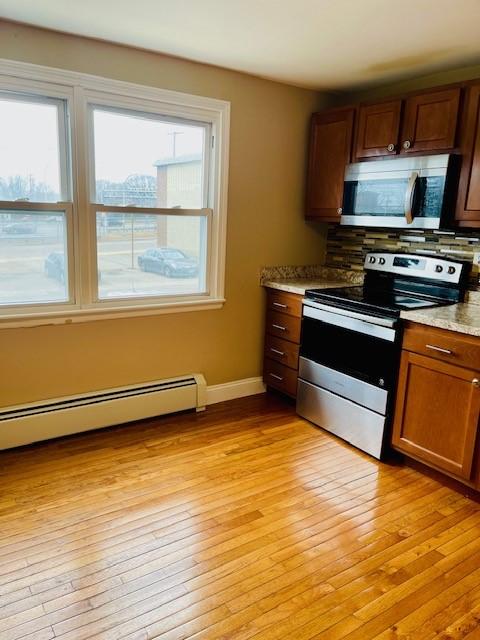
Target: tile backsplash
point(347, 246)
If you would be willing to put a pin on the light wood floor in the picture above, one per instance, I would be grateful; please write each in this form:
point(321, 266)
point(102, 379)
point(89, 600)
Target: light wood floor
point(242, 522)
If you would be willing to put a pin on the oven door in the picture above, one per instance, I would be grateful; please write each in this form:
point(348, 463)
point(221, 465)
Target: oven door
point(353, 346)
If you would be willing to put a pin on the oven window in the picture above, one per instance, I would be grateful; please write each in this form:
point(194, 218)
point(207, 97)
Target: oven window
point(356, 354)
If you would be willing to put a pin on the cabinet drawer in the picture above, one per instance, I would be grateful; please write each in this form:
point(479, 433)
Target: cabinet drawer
point(283, 326)
point(448, 346)
point(285, 302)
point(280, 377)
point(282, 351)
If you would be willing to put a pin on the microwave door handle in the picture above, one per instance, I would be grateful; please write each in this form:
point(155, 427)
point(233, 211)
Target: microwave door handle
point(409, 195)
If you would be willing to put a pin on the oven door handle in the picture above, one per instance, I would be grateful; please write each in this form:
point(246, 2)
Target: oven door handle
point(372, 326)
point(409, 196)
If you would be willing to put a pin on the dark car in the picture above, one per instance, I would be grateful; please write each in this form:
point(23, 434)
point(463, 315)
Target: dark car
point(172, 263)
point(55, 266)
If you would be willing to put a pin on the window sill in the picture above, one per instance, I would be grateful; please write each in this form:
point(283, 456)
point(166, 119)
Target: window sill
point(110, 313)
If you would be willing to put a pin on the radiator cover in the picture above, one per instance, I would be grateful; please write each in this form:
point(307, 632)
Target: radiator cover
point(24, 424)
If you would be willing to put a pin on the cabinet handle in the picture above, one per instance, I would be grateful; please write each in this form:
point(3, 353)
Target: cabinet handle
point(391, 147)
point(279, 353)
point(340, 210)
point(409, 196)
point(279, 304)
point(407, 144)
point(279, 326)
point(435, 348)
point(476, 382)
point(274, 375)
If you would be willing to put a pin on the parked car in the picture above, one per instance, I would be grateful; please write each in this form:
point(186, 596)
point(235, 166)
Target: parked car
point(19, 227)
point(170, 262)
point(55, 266)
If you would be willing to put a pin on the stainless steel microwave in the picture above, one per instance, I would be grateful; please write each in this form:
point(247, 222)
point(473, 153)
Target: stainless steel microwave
point(412, 192)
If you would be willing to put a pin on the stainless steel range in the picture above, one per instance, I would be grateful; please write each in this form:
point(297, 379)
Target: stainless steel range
point(350, 343)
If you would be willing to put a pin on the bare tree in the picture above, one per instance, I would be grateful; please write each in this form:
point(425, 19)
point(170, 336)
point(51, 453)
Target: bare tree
point(25, 187)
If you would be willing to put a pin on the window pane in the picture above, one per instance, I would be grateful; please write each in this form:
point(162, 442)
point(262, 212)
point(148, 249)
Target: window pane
point(33, 257)
point(29, 150)
point(150, 255)
point(145, 162)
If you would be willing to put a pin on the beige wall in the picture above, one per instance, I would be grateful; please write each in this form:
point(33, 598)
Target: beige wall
point(265, 227)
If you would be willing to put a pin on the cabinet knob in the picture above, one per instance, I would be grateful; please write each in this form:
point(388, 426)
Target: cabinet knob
point(339, 210)
point(476, 382)
point(407, 144)
point(391, 147)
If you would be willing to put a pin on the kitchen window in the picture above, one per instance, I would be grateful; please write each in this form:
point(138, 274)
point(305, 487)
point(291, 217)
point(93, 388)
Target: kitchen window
point(112, 197)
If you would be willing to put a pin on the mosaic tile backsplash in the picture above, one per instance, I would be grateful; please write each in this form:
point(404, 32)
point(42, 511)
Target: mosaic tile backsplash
point(347, 246)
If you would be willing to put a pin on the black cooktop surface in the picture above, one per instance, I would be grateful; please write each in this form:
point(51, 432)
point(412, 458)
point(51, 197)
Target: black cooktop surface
point(371, 300)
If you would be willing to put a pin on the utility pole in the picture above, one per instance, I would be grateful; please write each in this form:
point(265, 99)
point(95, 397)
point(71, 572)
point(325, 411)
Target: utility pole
point(174, 135)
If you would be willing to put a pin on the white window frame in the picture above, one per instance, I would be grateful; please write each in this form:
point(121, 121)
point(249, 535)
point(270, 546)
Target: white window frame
point(80, 92)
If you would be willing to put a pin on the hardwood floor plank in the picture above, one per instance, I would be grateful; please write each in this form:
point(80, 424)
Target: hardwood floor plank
point(242, 522)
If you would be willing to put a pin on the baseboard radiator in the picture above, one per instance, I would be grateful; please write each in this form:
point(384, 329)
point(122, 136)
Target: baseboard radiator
point(24, 424)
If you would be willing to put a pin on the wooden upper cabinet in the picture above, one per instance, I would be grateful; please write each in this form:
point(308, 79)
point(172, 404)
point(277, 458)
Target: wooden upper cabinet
point(378, 129)
point(330, 151)
point(468, 202)
point(437, 413)
point(430, 121)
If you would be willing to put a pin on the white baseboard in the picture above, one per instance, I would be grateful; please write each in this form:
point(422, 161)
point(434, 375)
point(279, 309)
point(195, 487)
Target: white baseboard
point(235, 389)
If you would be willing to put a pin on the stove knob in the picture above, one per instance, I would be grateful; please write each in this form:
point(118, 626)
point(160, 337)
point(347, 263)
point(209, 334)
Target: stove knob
point(372, 259)
point(451, 270)
point(439, 268)
point(382, 260)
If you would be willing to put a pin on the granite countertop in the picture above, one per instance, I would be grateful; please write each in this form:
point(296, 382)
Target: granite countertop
point(300, 285)
point(463, 317)
point(297, 279)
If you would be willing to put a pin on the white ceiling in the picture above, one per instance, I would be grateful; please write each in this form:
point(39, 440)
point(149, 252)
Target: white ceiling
point(323, 44)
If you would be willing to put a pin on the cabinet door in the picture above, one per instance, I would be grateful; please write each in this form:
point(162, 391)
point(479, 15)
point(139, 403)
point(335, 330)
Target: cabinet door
point(378, 129)
point(430, 121)
point(468, 201)
point(330, 152)
point(437, 413)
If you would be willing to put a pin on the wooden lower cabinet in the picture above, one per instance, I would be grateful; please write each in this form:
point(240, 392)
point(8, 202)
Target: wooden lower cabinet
point(280, 377)
point(282, 341)
point(437, 411)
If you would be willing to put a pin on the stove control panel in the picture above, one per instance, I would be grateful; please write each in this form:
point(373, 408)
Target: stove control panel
point(417, 265)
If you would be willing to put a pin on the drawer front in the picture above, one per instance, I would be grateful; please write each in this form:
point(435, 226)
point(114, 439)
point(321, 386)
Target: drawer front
point(289, 303)
point(448, 346)
point(283, 326)
point(282, 351)
point(280, 377)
